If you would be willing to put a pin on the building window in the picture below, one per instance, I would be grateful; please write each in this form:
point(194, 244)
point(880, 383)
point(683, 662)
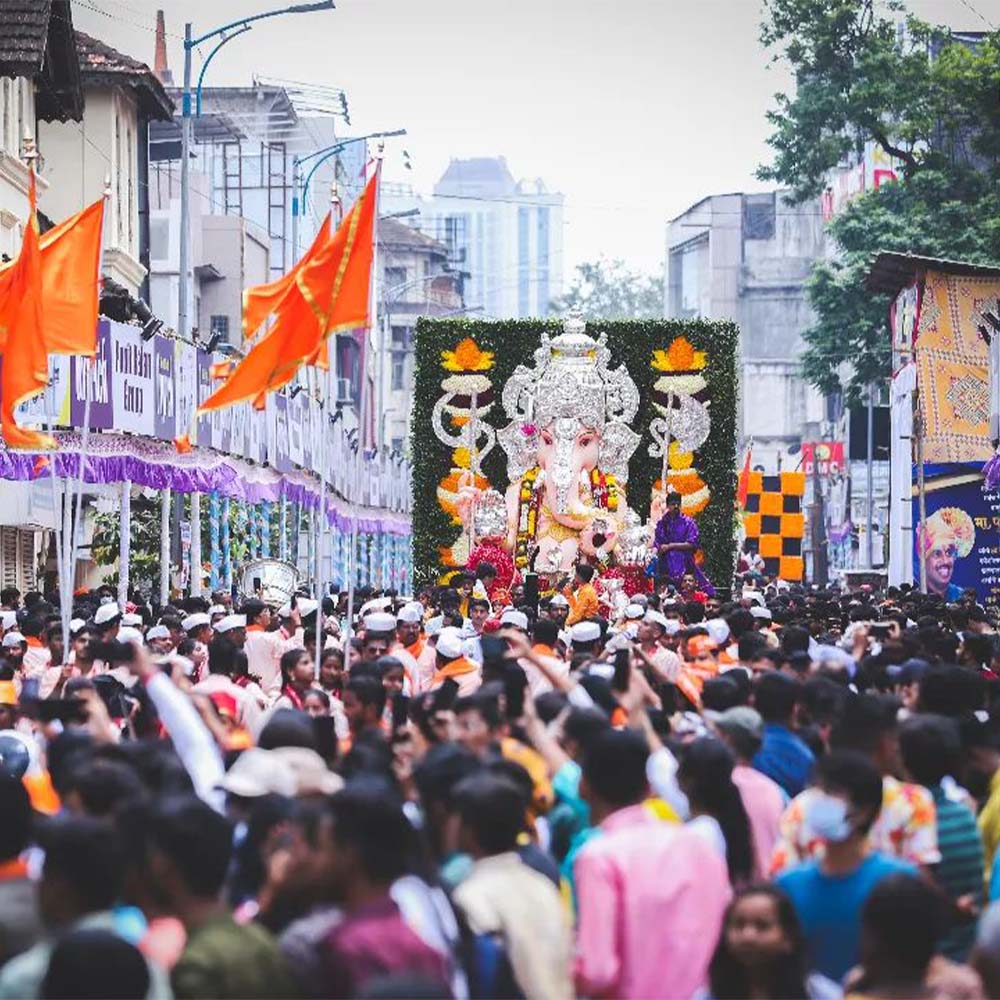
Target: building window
point(394, 277)
point(159, 239)
point(542, 269)
point(398, 372)
point(220, 328)
point(759, 216)
point(523, 262)
point(402, 338)
point(348, 368)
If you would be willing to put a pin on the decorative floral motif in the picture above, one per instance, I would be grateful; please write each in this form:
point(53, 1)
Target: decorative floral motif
point(467, 357)
point(680, 356)
point(529, 499)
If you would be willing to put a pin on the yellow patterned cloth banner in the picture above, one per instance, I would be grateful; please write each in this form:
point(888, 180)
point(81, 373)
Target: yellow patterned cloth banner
point(952, 366)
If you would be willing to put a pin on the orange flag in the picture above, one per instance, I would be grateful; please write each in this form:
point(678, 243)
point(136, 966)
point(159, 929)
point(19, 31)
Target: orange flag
point(70, 263)
point(330, 293)
point(25, 360)
point(259, 301)
point(743, 483)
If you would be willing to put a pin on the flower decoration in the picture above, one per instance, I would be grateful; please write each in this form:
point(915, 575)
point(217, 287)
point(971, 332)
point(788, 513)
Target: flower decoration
point(529, 430)
point(467, 357)
point(680, 356)
point(493, 552)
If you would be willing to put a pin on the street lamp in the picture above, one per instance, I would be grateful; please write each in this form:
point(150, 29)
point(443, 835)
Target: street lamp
point(241, 26)
point(321, 156)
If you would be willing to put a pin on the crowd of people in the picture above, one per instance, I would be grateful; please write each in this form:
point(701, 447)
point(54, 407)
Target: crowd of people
point(794, 792)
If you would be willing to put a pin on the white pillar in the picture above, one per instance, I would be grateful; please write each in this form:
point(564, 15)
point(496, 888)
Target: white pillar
point(165, 499)
point(124, 543)
point(196, 545)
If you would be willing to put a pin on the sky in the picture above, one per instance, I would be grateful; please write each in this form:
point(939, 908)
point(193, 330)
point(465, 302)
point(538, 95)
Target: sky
point(633, 109)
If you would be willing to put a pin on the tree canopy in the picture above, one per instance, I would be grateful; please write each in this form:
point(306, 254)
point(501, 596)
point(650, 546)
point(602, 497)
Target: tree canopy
point(865, 72)
point(608, 289)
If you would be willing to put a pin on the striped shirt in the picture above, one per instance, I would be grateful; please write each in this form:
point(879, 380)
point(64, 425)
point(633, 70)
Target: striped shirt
point(960, 872)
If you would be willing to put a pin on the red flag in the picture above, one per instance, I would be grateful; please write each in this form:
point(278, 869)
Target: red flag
point(25, 360)
point(743, 486)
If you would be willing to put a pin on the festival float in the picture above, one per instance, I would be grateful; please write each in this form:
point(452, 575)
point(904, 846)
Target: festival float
point(591, 423)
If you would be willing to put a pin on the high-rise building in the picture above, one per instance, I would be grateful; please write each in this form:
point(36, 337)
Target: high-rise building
point(506, 236)
point(746, 258)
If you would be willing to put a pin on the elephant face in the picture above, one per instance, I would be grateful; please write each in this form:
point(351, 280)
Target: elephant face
point(566, 448)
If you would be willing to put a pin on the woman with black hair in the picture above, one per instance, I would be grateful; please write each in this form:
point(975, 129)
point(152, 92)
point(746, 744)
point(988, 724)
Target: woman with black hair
point(762, 953)
point(706, 778)
point(297, 676)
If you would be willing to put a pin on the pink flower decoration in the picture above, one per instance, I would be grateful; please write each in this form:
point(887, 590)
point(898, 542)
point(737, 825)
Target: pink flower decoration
point(529, 430)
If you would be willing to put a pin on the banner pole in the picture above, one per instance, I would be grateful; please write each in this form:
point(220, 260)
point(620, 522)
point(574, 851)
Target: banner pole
point(73, 544)
point(124, 544)
point(363, 414)
point(166, 498)
point(60, 543)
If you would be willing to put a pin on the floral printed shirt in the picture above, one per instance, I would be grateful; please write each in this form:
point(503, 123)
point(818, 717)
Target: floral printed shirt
point(906, 828)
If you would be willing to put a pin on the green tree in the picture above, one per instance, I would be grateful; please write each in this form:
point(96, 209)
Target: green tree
point(608, 289)
point(144, 557)
point(925, 98)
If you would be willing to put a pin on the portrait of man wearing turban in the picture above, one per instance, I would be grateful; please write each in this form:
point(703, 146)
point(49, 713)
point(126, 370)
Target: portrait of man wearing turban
point(948, 535)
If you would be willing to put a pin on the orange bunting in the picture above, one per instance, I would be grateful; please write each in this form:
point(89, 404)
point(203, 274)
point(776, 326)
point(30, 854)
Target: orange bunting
point(330, 294)
point(25, 360)
point(41, 463)
point(182, 444)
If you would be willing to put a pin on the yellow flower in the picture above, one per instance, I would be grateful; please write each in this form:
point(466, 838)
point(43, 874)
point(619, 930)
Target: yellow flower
point(680, 356)
point(678, 459)
point(467, 357)
point(461, 458)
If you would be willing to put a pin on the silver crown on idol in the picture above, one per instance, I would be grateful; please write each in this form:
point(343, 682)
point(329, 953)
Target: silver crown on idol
point(571, 386)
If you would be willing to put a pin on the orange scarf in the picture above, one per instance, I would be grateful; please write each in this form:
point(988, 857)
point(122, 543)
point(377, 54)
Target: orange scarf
point(454, 668)
point(416, 648)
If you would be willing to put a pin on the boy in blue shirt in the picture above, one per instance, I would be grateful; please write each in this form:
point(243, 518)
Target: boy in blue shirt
point(829, 892)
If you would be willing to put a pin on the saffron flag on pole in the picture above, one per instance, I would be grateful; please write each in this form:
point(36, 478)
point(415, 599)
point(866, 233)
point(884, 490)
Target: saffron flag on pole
point(70, 269)
point(743, 484)
point(259, 301)
point(330, 293)
point(25, 360)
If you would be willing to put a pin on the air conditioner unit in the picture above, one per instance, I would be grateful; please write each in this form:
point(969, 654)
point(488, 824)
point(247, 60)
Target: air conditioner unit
point(345, 391)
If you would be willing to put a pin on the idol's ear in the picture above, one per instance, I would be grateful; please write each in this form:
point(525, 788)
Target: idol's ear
point(618, 444)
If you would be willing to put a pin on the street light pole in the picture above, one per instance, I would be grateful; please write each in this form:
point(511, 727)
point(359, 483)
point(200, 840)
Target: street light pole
point(183, 327)
point(300, 188)
point(235, 28)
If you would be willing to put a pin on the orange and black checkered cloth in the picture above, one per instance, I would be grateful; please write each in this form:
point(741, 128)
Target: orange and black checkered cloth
point(774, 522)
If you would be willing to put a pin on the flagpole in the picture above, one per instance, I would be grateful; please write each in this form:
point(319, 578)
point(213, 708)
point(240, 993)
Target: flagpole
point(363, 407)
point(324, 403)
point(73, 543)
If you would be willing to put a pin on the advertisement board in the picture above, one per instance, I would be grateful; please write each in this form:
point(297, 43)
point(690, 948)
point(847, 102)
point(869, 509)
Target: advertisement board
point(961, 540)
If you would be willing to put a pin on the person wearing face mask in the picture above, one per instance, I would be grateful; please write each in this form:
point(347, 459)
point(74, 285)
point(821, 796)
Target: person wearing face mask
point(829, 893)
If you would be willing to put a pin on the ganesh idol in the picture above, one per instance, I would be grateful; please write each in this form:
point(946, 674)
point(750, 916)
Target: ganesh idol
point(568, 446)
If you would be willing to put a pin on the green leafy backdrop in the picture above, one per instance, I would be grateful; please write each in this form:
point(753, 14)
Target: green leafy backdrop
point(632, 343)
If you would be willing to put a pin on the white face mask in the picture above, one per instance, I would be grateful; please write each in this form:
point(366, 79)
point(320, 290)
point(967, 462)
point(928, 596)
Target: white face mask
point(826, 818)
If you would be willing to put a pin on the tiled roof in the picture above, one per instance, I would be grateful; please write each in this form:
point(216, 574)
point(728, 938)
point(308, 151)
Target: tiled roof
point(101, 63)
point(24, 32)
point(36, 42)
point(392, 232)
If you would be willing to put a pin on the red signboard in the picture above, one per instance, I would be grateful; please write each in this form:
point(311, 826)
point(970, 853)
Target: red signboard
point(826, 457)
